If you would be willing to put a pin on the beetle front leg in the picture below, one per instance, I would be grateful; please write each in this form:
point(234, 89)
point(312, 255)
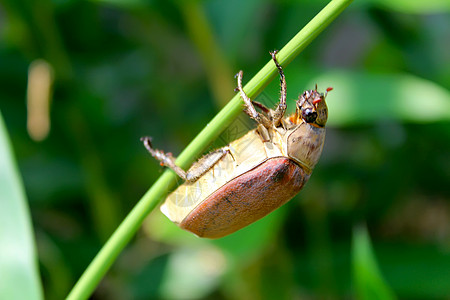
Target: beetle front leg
point(249, 108)
point(166, 159)
point(278, 114)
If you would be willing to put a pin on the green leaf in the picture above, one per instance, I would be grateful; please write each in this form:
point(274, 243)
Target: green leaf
point(367, 279)
point(18, 258)
point(361, 98)
point(425, 264)
point(415, 6)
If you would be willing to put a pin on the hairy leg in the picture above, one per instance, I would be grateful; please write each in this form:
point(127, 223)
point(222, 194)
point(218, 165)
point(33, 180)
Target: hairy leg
point(195, 171)
point(249, 108)
point(278, 114)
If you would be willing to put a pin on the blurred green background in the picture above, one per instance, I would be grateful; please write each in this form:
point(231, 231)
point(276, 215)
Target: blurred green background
point(118, 70)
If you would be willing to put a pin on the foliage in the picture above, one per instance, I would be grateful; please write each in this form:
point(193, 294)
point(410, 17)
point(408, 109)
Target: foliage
point(18, 261)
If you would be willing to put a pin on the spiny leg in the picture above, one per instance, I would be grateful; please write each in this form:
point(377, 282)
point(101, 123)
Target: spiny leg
point(278, 114)
point(249, 108)
point(205, 163)
point(166, 159)
point(195, 171)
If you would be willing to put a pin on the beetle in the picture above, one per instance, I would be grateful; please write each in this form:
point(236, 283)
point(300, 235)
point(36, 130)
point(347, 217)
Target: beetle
point(238, 184)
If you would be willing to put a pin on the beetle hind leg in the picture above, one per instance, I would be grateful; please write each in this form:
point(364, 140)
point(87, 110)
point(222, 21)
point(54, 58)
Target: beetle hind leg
point(166, 159)
point(204, 164)
point(196, 171)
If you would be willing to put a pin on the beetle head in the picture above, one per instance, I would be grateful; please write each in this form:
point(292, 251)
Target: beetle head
point(312, 108)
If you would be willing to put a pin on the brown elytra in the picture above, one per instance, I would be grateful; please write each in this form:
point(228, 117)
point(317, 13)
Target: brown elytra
point(246, 198)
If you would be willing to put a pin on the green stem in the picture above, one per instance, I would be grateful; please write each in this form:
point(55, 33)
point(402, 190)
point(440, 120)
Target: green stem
point(107, 255)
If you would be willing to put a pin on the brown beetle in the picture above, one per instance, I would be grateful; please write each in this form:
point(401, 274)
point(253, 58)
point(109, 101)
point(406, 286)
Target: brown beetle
point(234, 186)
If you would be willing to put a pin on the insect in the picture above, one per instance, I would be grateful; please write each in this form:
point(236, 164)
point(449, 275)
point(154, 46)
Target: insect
point(236, 185)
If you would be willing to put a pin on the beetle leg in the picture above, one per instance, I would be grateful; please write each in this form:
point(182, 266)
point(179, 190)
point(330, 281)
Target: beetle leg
point(278, 114)
point(205, 163)
point(261, 106)
point(249, 108)
point(196, 171)
point(166, 159)
point(264, 133)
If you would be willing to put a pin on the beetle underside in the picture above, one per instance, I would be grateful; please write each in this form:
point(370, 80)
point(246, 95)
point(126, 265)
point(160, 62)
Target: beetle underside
point(234, 186)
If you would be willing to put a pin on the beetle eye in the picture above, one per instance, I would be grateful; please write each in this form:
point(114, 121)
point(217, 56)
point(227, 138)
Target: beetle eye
point(309, 115)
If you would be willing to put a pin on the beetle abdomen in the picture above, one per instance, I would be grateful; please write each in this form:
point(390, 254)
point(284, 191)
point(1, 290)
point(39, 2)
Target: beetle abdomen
point(246, 198)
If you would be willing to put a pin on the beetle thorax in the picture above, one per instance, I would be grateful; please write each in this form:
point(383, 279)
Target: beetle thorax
point(304, 143)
